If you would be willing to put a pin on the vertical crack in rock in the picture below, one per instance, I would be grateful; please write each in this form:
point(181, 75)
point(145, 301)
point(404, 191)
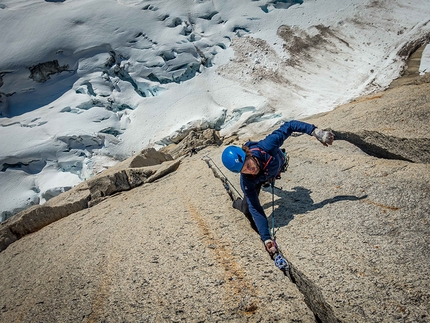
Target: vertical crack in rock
point(416, 150)
point(226, 183)
point(314, 299)
point(313, 296)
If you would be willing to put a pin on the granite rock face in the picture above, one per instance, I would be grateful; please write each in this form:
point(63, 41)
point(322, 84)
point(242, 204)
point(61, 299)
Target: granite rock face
point(158, 243)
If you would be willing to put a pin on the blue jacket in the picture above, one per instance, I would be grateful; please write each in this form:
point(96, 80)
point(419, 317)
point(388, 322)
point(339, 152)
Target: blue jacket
point(268, 152)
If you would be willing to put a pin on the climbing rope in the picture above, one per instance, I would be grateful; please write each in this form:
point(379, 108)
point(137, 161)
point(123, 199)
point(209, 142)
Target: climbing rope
point(273, 211)
point(230, 184)
point(272, 184)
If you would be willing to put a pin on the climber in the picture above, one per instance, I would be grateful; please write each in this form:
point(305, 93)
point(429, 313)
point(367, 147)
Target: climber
point(261, 162)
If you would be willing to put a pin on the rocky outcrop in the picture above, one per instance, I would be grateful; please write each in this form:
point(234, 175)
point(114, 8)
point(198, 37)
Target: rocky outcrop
point(193, 142)
point(41, 72)
point(4, 106)
point(149, 157)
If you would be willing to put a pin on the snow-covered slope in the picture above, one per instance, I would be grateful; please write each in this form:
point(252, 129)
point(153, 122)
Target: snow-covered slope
point(84, 83)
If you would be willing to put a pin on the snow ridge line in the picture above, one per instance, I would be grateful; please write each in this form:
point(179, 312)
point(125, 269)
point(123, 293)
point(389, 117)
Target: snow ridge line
point(313, 296)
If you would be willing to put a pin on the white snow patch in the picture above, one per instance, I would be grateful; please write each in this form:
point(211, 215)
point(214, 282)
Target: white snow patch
point(95, 81)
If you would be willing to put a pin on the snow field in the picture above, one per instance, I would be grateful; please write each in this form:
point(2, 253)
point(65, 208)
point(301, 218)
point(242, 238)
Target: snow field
point(95, 81)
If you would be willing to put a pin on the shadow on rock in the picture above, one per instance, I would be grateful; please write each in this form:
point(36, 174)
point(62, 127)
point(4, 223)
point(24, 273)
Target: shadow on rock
point(299, 201)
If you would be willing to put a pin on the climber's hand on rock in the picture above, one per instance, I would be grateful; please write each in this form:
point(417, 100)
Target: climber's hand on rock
point(324, 136)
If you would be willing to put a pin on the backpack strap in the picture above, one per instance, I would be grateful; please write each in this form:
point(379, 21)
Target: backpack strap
point(263, 152)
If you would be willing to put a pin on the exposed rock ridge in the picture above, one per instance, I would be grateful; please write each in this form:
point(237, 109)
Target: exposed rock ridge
point(42, 72)
point(143, 168)
point(192, 142)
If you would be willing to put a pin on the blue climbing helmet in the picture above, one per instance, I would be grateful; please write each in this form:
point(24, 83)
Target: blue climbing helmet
point(233, 158)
